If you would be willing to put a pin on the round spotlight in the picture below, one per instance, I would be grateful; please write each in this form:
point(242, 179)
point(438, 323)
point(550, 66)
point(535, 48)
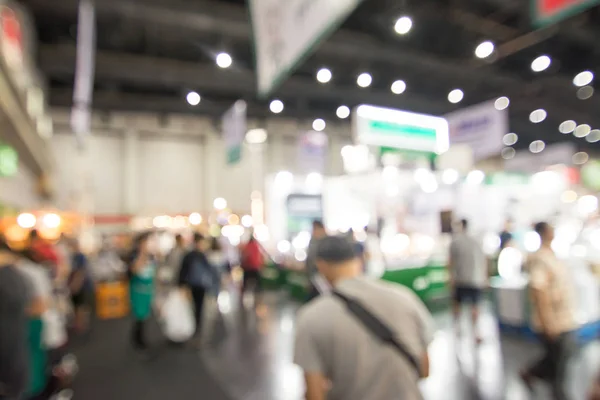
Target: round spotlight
point(403, 25)
point(567, 126)
point(583, 78)
point(51, 220)
point(26, 220)
point(364, 80)
point(224, 60)
point(398, 87)
point(594, 136)
point(541, 63)
point(580, 158)
point(195, 218)
point(342, 112)
point(450, 176)
point(220, 203)
point(324, 75)
point(475, 177)
point(585, 92)
point(510, 139)
point(256, 136)
point(484, 49)
point(276, 106)
point(319, 124)
point(537, 146)
point(508, 153)
point(582, 130)
point(502, 103)
point(538, 115)
point(455, 96)
point(193, 98)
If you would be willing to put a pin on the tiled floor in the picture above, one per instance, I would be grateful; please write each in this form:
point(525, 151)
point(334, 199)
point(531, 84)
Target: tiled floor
point(251, 357)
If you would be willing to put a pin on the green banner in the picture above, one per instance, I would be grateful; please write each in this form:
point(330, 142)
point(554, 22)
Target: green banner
point(9, 160)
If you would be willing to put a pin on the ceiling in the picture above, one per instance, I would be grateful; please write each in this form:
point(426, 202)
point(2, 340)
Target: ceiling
point(151, 53)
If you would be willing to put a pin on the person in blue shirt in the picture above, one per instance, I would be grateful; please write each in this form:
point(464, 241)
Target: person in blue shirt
point(80, 285)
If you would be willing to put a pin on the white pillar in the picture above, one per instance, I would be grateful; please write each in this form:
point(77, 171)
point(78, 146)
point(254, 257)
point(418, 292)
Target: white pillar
point(131, 176)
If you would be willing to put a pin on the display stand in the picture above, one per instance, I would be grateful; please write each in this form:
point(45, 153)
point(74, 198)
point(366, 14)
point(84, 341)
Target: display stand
point(430, 282)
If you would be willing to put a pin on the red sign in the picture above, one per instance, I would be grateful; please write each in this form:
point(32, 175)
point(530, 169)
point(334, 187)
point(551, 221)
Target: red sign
point(550, 11)
point(12, 38)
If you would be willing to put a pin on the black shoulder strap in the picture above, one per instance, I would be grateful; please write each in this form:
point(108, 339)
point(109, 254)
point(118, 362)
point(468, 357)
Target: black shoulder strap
point(378, 328)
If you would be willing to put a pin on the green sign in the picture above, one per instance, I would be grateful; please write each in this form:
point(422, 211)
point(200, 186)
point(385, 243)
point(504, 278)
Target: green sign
point(546, 12)
point(506, 178)
point(9, 160)
point(590, 175)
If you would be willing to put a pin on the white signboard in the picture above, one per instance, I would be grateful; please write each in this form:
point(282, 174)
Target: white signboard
point(554, 154)
point(481, 127)
point(234, 130)
point(312, 151)
point(286, 31)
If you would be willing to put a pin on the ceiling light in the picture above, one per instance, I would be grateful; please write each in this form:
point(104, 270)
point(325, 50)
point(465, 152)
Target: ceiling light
point(541, 63)
point(567, 126)
point(398, 87)
point(585, 92)
point(484, 50)
point(455, 96)
point(403, 25)
point(582, 130)
point(364, 80)
point(537, 146)
point(501, 103)
point(510, 138)
point(318, 124)
point(276, 106)
point(324, 75)
point(580, 158)
point(193, 98)
point(342, 112)
point(583, 78)
point(508, 153)
point(224, 60)
point(594, 136)
point(256, 136)
point(538, 115)
point(220, 203)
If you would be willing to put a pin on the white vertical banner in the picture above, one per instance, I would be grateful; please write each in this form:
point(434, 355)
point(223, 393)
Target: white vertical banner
point(84, 70)
point(286, 31)
point(481, 127)
point(312, 152)
point(234, 124)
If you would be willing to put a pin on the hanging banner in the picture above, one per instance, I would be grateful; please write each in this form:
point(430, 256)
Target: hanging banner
point(481, 127)
point(312, 152)
point(546, 12)
point(287, 31)
point(234, 130)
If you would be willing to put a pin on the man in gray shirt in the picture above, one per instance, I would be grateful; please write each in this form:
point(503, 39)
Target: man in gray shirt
point(467, 266)
point(341, 358)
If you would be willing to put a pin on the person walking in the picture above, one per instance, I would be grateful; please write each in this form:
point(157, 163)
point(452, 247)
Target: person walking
point(553, 315)
point(252, 262)
point(315, 282)
point(175, 257)
point(366, 340)
point(197, 276)
point(467, 267)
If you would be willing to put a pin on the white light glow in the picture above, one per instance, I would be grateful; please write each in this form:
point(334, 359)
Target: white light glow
point(220, 203)
point(51, 220)
point(455, 96)
point(422, 174)
point(537, 146)
point(594, 136)
point(582, 130)
point(430, 185)
point(567, 126)
point(502, 103)
point(193, 98)
point(587, 204)
point(319, 124)
point(510, 139)
point(396, 244)
point(26, 220)
point(510, 261)
point(261, 233)
point(450, 176)
point(364, 80)
point(195, 218)
point(224, 60)
point(162, 221)
point(324, 75)
point(347, 151)
point(491, 243)
point(392, 190)
point(342, 112)
point(300, 255)
point(284, 246)
point(484, 49)
point(508, 153)
point(541, 63)
point(532, 241)
point(398, 87)
point(284, 180)
point(403, 25)
point(585, 92)
point(301, 240)
point(256, 136)
point(314, 181)
point(276, 106)
point(247, 221)
point(583, 78)
point(475, 177)
point(538, 115)
point(568, 196)
point(580, 158)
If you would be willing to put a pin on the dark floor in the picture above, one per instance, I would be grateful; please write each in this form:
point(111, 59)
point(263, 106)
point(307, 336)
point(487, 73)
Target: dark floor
point(249, 358)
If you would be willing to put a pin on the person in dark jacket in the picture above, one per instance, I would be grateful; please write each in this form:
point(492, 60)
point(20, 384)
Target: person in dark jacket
point(198, 276)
